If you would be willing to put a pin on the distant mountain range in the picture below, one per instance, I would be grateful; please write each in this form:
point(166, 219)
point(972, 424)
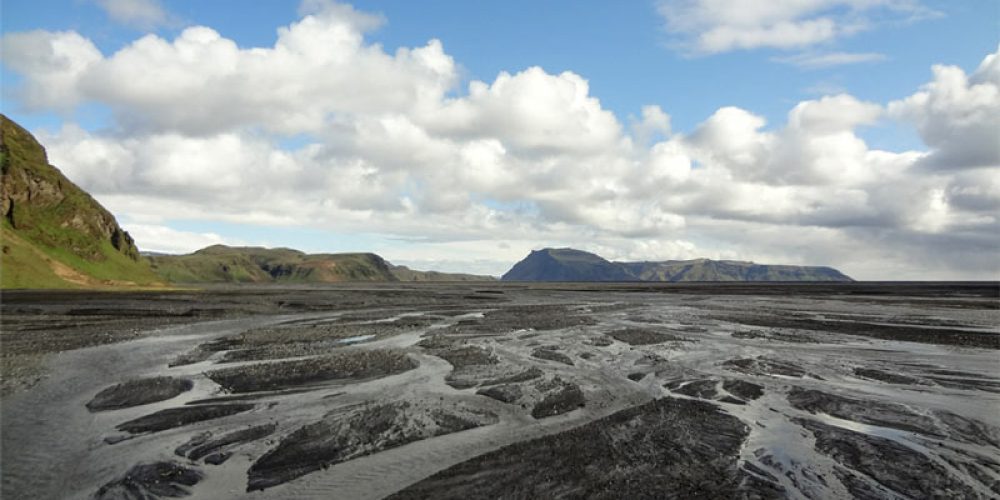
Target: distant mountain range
point(223, 264)
point(55, 235)
point(567, 264)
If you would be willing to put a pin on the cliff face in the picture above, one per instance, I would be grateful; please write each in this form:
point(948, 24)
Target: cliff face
point(566, 264)
point(51, 224)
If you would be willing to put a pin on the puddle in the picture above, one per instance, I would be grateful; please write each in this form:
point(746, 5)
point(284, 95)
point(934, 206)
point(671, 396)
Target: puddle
point(356, 339)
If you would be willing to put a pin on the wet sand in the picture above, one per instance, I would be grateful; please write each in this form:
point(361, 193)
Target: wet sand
point(484, 389)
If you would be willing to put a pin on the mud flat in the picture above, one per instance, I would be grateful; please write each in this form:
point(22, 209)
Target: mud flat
point(860, 390)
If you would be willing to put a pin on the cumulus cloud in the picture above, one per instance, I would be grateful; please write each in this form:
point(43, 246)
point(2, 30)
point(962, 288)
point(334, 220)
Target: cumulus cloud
point(716, 26)
point(653, 124)
point(163, 239)
point(957, 115)
point(536, 112)
point(52, 64)
point(202, 83)
point(389, 144)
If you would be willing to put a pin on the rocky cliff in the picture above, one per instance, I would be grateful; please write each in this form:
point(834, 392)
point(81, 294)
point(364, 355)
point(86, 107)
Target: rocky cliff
point(54, 233)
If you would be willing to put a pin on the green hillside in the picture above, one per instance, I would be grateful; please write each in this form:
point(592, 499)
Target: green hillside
point(55, 235)
point(223, 264)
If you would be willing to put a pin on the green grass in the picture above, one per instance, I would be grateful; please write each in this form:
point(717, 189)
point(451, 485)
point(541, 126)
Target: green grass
point(21, 267)
point(59, 221)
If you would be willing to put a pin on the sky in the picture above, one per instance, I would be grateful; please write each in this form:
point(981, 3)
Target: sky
point(459, 136)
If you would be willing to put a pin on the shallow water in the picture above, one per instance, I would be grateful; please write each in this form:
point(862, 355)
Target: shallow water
point(52, 447)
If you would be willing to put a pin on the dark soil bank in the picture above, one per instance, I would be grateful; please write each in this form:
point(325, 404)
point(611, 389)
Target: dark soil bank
point(743, 389)
point(178, 417)
point(889, 463)
point(151, 481)
point(567, 397)
point(203, 445)
point(285, 374)
point(672, 447)
point(139, 392)
point(638, 336)
point(948, 336)
point(342, 436)
point(552, 355)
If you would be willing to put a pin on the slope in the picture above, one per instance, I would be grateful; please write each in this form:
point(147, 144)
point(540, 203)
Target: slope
point(224, 264)
point(54, 234)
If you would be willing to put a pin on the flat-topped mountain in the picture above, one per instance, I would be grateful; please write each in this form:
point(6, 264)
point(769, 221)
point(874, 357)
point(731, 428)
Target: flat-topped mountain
point(567, 264)
point(224, 264)
point(55, 235)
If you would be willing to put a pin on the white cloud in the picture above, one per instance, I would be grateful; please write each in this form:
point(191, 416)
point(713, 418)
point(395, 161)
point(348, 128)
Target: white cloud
point(535, 112)
point(958, 115)
point(654, 123)
point(810, 60)
point(201, 83)
point(143, 14)
point(164, 239)
point(732, 138)
point(393, 147)
point(715, 26)
point(52, 63)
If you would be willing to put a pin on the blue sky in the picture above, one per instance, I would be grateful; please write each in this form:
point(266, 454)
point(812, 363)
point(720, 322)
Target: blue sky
point(621, 48)
point(630, 54)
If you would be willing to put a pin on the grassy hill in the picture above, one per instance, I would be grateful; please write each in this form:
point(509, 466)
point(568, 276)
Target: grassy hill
point(54, 234)
point(567, 264)
point(223, 264)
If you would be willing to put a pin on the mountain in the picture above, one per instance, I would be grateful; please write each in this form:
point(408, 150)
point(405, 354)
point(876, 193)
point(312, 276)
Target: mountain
point(55, 235)
point(223, 264)
point(729, 270)
point(566, 264)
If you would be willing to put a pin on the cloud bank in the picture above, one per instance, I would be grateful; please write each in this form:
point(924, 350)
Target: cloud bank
point(325, 129)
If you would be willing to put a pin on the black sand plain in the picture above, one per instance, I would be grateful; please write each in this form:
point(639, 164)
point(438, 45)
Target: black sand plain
point(512, 390)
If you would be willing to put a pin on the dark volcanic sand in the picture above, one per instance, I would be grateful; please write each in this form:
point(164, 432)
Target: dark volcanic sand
point(157, 480)
point(139, 392)
point(675, 447)
point(469, 390)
